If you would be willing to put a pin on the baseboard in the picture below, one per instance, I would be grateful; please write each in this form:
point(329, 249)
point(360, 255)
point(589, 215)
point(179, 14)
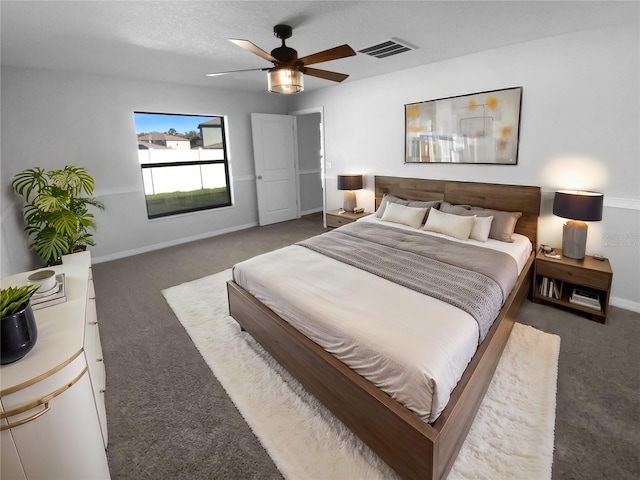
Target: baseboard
point(172, 243)
point(626, 304)
point(309, 212)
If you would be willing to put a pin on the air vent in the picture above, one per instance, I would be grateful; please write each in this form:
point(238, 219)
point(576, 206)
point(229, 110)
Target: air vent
point(388, 48)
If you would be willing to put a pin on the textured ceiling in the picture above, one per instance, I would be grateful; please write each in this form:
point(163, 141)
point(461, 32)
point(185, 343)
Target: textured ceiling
point(181, 41)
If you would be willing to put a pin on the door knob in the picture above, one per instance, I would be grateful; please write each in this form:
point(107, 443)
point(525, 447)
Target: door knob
point(259, 177)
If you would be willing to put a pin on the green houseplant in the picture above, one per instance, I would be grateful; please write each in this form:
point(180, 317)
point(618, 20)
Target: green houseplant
point(57, 216)
point(13, 299)
point(18, 330)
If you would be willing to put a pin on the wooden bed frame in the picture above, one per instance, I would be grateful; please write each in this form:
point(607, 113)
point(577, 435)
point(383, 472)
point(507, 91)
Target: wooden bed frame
point(413, 448)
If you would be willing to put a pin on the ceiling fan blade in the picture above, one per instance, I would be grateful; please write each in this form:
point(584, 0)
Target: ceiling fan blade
point(332, 54)
point(234, 71)
point(327, 75)
point(253, 48)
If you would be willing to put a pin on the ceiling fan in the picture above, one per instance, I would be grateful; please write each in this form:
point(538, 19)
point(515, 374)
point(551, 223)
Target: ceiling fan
point(286, 74)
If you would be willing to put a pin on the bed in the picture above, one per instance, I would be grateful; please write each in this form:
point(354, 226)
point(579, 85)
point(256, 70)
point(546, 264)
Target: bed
point(415, 444)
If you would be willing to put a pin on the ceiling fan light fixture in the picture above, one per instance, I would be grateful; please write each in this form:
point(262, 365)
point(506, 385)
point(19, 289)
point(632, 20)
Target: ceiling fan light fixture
point(285, 80)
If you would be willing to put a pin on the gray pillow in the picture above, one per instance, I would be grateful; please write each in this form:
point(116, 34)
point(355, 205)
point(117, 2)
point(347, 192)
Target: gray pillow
point(502, 227)
point(427, 205)
point(422, 204)
point(446, 207)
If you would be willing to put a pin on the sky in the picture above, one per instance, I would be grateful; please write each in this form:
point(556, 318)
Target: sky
point(160, 122)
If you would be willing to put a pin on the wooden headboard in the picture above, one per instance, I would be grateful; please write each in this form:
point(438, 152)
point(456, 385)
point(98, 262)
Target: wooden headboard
point(508, 198)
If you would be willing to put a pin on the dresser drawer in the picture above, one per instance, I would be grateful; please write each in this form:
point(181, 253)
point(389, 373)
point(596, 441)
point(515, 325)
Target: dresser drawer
point(580, 276)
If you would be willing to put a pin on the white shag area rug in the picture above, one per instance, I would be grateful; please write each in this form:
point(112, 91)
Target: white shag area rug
point(511, 437)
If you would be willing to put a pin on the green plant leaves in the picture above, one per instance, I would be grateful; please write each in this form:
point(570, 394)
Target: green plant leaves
point(52, 199)
point(91, 201)
point(29, 180)
point(13, 298)
point(73, 179)
point(64, 222)
point(50, 245)
point(56, 216)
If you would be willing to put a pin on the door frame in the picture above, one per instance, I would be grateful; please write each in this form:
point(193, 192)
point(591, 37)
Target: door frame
point(323, 169)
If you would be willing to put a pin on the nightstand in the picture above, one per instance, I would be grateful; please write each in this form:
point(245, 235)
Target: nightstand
point(336, 219)
point(555, 281)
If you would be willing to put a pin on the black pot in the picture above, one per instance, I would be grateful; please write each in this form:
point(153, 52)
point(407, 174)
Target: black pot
point(18, 335)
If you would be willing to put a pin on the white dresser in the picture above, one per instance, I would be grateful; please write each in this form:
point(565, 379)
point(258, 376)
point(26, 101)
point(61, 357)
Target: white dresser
point(52, 410)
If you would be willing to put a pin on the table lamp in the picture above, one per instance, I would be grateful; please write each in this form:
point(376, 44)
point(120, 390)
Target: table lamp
point(579, 207)
point(349, 183)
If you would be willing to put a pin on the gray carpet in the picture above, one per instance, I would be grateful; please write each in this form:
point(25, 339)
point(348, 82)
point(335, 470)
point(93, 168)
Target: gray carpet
point(169, 417)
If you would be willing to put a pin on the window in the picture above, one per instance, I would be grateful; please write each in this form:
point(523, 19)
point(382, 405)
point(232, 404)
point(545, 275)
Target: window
point(184, 162)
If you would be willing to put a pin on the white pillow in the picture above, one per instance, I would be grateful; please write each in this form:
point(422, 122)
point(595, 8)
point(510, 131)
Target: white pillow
point(481, 229)
point(453, 225)
point(386, 199)
point(397, 213)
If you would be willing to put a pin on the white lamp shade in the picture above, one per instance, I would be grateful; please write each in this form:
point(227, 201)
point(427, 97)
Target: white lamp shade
point(285, 80)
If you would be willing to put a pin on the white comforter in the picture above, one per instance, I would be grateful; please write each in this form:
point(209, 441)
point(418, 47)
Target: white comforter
point(413, 347)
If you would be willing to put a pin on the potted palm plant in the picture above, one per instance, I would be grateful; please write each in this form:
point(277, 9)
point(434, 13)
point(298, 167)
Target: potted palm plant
point(18, 331)
point(57, 216)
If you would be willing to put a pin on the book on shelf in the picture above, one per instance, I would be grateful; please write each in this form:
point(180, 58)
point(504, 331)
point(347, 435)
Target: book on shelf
point(585, 304)
point(56, 295)
point(587, 295)
point(585, 299)
point(543, 288)
point(548, 288)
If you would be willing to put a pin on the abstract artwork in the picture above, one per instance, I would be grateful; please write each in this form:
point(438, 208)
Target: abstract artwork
point(476, 128)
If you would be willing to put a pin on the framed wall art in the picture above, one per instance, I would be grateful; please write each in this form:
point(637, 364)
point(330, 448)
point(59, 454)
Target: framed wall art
point(481, 128)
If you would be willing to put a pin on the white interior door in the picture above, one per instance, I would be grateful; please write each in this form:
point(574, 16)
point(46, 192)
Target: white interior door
point(274, 153)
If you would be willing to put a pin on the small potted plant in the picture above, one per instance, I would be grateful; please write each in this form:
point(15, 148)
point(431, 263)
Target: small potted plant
point(18, 331)
point(57, 217)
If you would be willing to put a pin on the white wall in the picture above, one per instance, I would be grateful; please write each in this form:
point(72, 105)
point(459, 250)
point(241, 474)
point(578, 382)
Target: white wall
point(51, 119)
point(309, 170)
point(579, 129)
